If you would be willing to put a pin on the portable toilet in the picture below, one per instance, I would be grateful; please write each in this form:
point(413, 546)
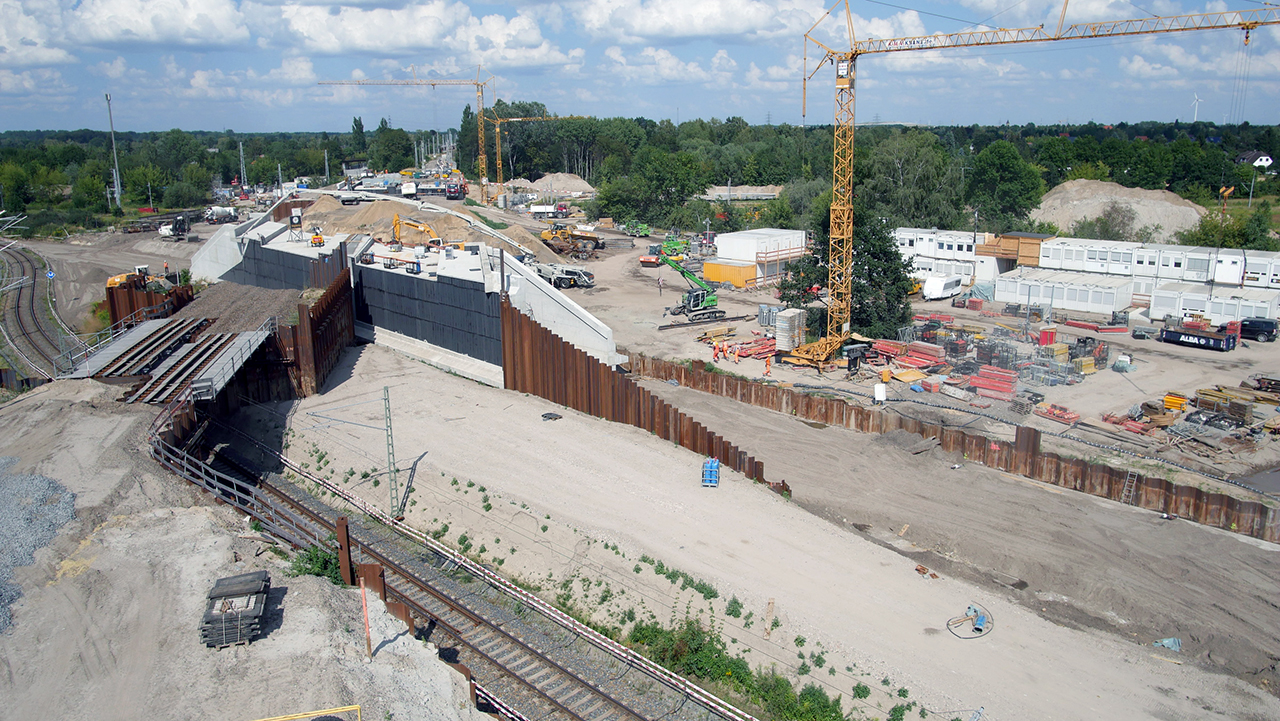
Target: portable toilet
point(711, 473)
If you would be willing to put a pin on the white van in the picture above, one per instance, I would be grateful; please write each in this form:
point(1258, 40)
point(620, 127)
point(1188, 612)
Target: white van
point(939, 288)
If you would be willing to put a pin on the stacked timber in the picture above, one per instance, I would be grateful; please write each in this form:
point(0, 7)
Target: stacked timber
point(235, 610)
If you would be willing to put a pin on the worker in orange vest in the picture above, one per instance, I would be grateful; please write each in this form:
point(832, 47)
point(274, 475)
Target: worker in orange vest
point(768, 365)
point(715, 350)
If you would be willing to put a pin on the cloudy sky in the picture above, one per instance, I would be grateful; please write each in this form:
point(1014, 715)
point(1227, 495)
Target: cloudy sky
point(253, 65)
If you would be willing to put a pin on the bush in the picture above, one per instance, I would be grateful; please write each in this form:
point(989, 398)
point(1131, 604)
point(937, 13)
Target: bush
point(316, 561)
point(183, 195)
point(733, 608)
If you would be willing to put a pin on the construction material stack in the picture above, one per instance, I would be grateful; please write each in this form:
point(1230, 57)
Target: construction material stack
point(235, 610)
point(997, 383)
point(790, 328)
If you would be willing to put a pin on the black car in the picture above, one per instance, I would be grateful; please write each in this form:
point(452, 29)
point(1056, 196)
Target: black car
point(1264, 330)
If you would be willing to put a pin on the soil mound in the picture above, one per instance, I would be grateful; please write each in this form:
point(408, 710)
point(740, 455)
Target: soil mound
point(1077, 200)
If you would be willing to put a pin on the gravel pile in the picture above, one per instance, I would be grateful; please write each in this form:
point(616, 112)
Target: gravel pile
point(32, 509)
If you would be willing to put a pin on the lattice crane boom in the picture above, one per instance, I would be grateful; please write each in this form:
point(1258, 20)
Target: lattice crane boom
point(840, 254)
point(482, 160)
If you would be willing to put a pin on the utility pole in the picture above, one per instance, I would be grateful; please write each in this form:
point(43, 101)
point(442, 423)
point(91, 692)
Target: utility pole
point(391, 454)
point(115, 173)
point(326, 166)
point(243, 179)
point(280, 179)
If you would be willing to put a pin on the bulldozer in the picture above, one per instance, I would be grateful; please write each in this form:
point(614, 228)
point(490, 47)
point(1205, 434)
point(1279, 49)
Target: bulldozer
point(573, 241)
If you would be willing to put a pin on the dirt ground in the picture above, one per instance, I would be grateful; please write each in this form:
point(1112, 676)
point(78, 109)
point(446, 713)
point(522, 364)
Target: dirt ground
point(83, 263)
point(584, 507)
point(107, 627)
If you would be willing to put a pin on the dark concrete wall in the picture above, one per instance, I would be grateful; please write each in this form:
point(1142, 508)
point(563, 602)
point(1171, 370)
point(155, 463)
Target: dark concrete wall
point(448, 312)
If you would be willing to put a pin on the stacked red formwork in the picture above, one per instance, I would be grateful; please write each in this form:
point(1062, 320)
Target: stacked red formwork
point(974, 304)
point(997, 383)
point(889, 348)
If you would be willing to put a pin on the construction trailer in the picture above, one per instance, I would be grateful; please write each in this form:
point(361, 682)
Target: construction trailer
point(769, 249)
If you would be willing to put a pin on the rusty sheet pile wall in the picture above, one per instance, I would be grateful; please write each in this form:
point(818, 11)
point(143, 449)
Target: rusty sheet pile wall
point(1023, 456)
point(313, 346)
point(125, 300)
point(537, 361)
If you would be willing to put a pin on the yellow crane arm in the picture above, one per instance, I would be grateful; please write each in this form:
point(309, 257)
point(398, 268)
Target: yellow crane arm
point(1238, 19)
point(482, 160)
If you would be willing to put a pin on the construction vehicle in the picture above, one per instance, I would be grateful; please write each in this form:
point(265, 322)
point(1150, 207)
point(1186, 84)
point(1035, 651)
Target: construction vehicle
point(317, 238)
point(565, 276)
point(217, 214)
point(177, 229)
point(699, 302)
point(397, 232)
point(579, 243)
point(559, 210)
point(845, 63)
point(455, 191)
point(635, 229)
point(141, 275)
point(409, 189)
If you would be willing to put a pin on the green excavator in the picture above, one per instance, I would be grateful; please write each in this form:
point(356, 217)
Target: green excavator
point(699, 302)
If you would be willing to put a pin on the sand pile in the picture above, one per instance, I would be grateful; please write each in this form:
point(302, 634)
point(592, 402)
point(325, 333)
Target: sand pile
point(1077, 200)
point(562, 183)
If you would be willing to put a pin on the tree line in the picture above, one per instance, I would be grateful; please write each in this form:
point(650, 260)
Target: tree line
point(63, 178)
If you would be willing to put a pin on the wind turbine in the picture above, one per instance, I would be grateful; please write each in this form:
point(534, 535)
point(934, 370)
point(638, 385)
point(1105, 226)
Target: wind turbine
point(1196, 104)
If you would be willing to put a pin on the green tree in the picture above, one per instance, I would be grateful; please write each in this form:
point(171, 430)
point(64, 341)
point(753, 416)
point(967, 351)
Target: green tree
point(90, 192)
point(358, 142)
point(183, 195)
point(1251, 232)
point(391, 149)
point(1117, 222)
point(881, 277)
point(144, 183)
point(1003, 187)
point(15, 184)
point(911, 181)
point(1089, 170)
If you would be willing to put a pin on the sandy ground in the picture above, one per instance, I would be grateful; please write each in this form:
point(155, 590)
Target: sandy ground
point(1077, 200)
point(83, 264)
point(107, 627)
point(580, 503)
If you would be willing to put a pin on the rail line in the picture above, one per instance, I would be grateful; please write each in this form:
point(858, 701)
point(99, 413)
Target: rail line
point(26, 327)
point(528, 660)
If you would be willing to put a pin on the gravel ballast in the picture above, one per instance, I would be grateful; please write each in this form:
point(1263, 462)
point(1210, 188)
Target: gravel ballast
point(32, 509)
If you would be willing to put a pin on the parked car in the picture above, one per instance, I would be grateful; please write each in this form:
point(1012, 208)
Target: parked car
point(1263, 330)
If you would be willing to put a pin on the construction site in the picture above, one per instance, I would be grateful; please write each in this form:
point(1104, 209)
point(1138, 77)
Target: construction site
point(467, 453)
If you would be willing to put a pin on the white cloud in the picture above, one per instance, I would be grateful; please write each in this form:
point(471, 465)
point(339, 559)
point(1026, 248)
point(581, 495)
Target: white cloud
point(33, 83)
point(189, 23)
point(292, 71)
point(437, 25)
point(636, 21)
point(25, 34)
point(653, 66)
point(1138, 67)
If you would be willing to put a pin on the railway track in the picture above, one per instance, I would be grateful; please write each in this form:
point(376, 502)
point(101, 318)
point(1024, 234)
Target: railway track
point(30, 331)
point(524, 657)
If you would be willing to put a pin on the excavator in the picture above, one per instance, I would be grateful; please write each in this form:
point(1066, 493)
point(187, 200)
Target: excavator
point(699, 302)
point(397, 223)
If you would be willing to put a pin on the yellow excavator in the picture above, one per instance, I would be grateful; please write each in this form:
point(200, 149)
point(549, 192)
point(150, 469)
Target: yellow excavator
point(398, 223)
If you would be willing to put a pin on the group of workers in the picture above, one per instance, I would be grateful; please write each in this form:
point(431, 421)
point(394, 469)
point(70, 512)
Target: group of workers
point(721, 348)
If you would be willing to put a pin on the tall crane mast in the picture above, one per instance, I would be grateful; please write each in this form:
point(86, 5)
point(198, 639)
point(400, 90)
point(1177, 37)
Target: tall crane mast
point(482, 161)
point(840, 254)
point(497, 134)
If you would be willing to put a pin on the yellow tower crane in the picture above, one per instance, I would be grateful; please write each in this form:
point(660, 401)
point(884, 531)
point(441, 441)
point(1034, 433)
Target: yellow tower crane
point(840, 256)
point(482, 161)
point(497, 134)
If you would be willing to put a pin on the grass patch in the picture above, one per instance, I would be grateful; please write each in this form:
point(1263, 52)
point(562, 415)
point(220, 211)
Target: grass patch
point(691, 649)
point(316, 561)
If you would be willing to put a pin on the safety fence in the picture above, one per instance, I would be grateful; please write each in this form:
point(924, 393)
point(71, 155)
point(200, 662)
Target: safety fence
point(539, 362)
point(1023, 456)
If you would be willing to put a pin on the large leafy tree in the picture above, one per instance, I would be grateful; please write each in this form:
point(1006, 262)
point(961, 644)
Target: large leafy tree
point(358, 142)
point(391, 149)
point(881, 276)
point(911, 181)
point(1004, 188)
